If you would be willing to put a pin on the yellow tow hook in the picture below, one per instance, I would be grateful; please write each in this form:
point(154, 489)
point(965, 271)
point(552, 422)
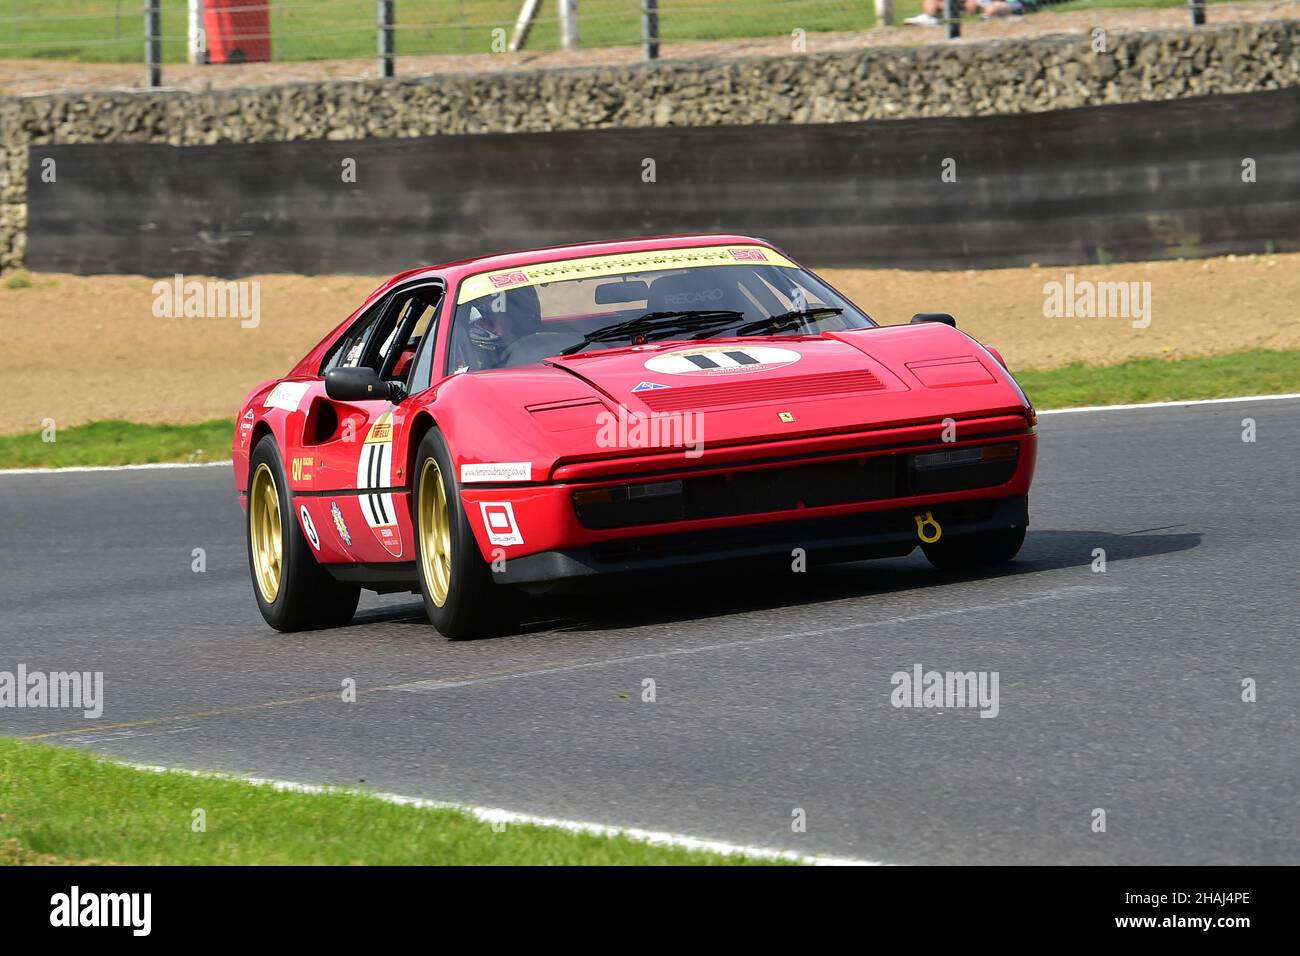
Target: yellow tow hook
point(922, 521)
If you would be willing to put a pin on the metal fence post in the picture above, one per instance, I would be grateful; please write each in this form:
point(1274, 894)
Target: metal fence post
point(1198, 12)
point(952, 14)
point(384, 17)
point(568, 24)
point(650, 28)
point(884, 13)
point(197, 33)
point(153, 42)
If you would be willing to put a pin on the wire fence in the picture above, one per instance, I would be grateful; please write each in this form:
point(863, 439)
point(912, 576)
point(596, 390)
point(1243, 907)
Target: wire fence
point(234, 31)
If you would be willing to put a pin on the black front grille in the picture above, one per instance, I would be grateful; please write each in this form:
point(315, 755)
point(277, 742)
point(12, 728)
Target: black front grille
point(792, 488)
point(785, 488)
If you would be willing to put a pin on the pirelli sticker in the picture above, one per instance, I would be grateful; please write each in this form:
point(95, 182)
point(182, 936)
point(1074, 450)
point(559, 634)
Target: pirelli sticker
point(374, 470)
point(593, 267)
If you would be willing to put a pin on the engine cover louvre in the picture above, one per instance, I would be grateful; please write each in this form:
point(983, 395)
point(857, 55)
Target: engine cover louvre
point(731, 393)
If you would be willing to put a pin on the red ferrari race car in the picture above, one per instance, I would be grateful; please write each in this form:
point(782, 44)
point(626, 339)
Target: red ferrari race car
point(492, 426)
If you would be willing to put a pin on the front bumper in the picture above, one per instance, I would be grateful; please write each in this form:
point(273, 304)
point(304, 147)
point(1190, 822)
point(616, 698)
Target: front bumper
point(740, 493)
point(874, 534)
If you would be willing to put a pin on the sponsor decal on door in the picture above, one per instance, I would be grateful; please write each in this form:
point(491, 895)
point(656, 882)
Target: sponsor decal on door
point(374, 470)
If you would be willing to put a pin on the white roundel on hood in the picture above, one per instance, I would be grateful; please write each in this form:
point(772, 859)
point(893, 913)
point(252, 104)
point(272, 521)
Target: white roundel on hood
point(722, 360)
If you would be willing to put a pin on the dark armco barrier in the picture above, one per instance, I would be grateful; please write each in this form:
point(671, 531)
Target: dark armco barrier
point(1139, 181)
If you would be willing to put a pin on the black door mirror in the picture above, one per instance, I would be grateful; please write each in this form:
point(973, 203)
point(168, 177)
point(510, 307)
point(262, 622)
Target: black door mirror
point(361, 385)
point(943, 317)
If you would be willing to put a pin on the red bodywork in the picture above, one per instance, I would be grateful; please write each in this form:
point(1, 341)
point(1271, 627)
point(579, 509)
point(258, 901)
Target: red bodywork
point(238, 31)
point(851, 397)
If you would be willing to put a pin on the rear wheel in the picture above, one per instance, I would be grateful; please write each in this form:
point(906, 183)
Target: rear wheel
point(460, 597)
point(293, 592)
point(980, 550)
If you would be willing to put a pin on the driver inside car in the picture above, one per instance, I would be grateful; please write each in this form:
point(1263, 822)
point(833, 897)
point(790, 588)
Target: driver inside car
point(497, 322)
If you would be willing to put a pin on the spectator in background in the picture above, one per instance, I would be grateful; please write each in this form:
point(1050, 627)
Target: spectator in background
point(933, 15)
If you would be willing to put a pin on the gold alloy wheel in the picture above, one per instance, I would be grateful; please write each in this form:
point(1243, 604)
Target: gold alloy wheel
point(435, 532)
point(264, 534)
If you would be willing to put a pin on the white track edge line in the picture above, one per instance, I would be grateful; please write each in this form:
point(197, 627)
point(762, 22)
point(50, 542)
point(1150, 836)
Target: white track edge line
point(72, 469)
point(1177, 404)
point(492, 815)
point(1047, 411)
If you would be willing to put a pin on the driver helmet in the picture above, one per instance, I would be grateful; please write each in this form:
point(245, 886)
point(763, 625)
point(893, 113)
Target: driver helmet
point(499, 320)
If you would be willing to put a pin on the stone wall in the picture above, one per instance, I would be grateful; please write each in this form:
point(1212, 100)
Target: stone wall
point(960, 79)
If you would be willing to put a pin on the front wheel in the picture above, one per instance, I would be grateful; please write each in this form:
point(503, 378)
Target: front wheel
point(964, 552)
point(293, 592)
point(460, 597)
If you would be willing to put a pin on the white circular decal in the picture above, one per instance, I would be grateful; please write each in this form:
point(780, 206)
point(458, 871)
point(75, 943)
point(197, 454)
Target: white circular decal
point(309, 527)
point(722, 360)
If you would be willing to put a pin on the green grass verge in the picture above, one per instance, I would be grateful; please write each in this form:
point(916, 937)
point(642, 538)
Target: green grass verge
point(67, 806)
point(118, 443)
point(1257, 372)
point(1140, 380)
point(112, 30)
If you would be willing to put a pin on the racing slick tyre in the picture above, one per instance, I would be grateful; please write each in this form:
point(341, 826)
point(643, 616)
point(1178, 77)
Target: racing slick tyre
point(293, 592)
point(962, 552)
point(460, 597)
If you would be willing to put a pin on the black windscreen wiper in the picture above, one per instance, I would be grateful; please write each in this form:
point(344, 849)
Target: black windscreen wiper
point(657, 325)
point(785, 321)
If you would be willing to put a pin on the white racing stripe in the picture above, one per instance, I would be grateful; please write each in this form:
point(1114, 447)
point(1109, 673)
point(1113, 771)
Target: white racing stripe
point(492, 815)
point(1042, 412)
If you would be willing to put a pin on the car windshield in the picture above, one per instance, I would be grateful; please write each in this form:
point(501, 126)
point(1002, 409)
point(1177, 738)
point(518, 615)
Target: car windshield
point(519, 317)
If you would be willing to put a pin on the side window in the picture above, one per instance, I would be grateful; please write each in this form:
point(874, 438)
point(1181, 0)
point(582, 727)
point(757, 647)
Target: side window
point(387, 337)
point(416, 311)
point(422, 368)
point(351, 349)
